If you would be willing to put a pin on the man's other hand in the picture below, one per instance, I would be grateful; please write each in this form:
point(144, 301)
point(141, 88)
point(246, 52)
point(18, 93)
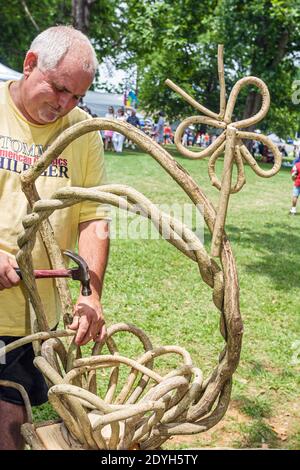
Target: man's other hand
point(8, 276)
point(88, 320)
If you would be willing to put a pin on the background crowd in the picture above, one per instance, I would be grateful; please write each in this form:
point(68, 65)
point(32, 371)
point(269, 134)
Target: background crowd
point(161, 131)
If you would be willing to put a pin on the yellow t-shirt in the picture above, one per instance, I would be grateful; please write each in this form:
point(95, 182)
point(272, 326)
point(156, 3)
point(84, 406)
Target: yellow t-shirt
point(80, 164)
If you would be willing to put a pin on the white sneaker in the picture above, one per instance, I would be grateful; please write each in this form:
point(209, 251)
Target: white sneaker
point(293, 211)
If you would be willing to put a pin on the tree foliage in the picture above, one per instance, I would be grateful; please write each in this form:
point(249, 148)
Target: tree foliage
point(264, 41)
point(178, 40)
point(22, 20)
point(17, 30)
point(167, 40)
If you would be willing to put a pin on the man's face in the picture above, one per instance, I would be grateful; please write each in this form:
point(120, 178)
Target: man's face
point(54, 93)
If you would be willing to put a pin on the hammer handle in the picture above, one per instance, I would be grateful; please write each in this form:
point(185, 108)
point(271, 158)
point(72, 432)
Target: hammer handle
point(46, 273)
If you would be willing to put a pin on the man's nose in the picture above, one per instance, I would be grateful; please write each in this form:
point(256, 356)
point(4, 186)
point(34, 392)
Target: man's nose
point(64, 99)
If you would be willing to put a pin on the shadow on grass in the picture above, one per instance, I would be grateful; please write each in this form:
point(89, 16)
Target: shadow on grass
point(257, 407)
point(256, 435)
point(278, 245)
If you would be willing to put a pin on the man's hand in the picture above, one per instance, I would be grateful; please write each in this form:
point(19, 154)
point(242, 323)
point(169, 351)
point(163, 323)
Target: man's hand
point(93, 245)
point(8, 276)
point(88, 320)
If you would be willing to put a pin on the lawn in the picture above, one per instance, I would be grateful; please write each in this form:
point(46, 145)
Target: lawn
point(149, 283)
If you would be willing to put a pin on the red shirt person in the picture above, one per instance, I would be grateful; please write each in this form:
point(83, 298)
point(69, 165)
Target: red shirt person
point(295, 172)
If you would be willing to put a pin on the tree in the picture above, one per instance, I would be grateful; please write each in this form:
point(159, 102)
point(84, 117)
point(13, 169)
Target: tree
point(264, 41)
point(18, 27)
point(178, 39)
point(166, 40)
point(100, 20)
point(21, 21)
point(81, 10)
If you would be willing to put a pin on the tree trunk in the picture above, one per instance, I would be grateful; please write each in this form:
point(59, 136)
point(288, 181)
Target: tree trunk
point(81, 14)
point(253, 104)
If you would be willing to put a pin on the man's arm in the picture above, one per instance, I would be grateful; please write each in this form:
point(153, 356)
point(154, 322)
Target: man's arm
point(93, 246)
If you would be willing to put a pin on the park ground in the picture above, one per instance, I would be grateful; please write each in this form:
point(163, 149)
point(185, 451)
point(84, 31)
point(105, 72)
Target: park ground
point(149, 283)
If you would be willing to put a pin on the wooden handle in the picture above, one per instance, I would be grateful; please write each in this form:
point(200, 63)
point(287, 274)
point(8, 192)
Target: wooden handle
point(47, 273)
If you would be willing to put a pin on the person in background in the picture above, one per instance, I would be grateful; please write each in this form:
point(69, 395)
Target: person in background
point(282, 150)
point(185, 137)
point(118, 139)
point(198, 138)
point(134, 121)
point(295, 152)
point(108, 135)
point(153, 131)
point(160, 128)
point(267, 156)
point(190, 138)
point(148, 128)
point(206, 139)
point(168, 134)
point(295, 172)
point(296, 155)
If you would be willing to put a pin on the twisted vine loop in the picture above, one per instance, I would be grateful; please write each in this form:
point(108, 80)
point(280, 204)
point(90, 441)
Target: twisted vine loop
point(229, 141)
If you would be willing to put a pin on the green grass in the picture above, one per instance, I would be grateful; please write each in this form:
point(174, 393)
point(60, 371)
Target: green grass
point(149, 283)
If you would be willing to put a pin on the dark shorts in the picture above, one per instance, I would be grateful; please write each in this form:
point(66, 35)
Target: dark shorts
point(19, 368)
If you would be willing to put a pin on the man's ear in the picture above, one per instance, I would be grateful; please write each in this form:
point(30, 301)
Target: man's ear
point(30, 63)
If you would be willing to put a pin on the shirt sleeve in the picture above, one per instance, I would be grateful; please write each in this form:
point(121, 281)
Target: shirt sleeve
point(95, 175)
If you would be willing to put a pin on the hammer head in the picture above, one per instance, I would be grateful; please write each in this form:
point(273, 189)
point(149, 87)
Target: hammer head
point(81, 273)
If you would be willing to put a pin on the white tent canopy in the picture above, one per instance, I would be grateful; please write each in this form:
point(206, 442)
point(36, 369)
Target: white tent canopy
point(99, 102)
point(8, 74)
point(275, 139)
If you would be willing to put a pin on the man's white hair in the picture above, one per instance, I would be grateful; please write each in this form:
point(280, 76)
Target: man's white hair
point(53, 44)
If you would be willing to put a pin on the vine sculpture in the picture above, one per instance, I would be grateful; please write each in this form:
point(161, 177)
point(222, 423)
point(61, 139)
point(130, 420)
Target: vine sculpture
point(149, 407)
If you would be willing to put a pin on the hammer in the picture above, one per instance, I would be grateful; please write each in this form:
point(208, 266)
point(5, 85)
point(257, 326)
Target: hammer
point(78, 274)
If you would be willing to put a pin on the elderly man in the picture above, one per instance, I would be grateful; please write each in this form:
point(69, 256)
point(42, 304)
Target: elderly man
point(58, 70)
